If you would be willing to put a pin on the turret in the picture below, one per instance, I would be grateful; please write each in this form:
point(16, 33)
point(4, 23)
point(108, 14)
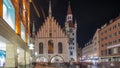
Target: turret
point(75, 24)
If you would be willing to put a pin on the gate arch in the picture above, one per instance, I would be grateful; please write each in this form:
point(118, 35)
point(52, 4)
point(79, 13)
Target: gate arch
point(41, 59)
point(56, 58)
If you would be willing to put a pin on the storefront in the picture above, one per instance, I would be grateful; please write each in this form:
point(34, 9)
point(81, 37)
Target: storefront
point(14, 37)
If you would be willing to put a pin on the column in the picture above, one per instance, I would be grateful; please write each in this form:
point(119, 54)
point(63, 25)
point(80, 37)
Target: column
point(27, 58)
point(11, 56)
point(1, 8)
point(21, 58)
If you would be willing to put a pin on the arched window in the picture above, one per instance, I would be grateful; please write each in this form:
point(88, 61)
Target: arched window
point(41, 48)
point(50, 47)
point(59, 47)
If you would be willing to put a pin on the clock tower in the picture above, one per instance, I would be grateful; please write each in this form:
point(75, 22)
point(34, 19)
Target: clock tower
point(71, 31)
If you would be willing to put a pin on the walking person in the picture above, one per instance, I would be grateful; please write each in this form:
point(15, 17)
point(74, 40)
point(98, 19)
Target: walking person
point(57, 63)
point(71, 64)
point(4, 65)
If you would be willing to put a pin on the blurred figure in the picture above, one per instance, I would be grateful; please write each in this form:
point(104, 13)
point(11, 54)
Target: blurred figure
point(71, 64)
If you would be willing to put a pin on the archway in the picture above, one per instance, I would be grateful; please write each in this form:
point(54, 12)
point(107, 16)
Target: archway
point(41, 59)
point(57, 58)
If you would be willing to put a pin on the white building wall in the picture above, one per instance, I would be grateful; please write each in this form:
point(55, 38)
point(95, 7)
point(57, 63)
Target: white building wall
point(73, 47)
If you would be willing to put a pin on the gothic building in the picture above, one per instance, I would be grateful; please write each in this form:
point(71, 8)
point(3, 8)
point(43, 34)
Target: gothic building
point(51, 42)
point(71, 31)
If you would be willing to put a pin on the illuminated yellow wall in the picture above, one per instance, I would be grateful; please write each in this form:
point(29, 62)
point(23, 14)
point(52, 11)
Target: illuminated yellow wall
point(25, 18)
point(17, 16)
point(1, 8)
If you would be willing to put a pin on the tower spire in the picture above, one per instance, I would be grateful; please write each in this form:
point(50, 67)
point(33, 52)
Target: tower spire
point(33, 29)
point(50, 10)
point(69, 13)
point(69, 9)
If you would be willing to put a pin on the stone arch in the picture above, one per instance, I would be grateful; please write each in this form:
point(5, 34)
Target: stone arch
point(41, 59)
point(56, 58)
point(72, 59)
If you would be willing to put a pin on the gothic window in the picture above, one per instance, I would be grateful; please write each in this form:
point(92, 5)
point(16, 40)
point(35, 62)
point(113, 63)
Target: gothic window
point(71, 53)
point(50, 34)
point(59, 47)
point(41, 48)
point(50, 47)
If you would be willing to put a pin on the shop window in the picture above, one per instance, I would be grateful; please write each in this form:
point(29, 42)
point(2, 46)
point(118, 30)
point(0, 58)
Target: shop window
point(9, 13)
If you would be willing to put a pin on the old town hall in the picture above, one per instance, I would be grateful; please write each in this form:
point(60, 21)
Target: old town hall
point(52, 43)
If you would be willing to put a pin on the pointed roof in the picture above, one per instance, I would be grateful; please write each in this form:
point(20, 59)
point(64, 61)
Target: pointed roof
point(69, 9)
point(50, 10)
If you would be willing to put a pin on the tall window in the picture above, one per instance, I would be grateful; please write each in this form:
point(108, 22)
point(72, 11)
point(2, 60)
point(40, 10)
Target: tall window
point(114, 50)
point(59, 47)
point(50, 47)
point(71, 53)
point(41, 48)
point(109, 51)
point(9, 13)
point(119, 50)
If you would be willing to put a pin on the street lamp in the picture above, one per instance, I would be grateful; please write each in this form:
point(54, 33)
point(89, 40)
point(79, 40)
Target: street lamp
point(31, 47)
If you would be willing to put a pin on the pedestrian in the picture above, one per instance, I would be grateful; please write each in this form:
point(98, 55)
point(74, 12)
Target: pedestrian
point(71, 64)
point(57, 63)
point(4, 65)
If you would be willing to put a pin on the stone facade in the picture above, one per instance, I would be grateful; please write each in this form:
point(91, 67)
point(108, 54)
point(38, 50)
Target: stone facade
point(90, 52)
point(109, 40)
point(47, 42)
point(71, 31)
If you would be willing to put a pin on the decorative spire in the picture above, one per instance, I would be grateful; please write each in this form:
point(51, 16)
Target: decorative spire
point(76, 23)
point(69, 9)
point(50, 10)
point(33, 29)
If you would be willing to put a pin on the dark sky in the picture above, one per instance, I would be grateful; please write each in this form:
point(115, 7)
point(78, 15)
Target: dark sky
point(90, 14)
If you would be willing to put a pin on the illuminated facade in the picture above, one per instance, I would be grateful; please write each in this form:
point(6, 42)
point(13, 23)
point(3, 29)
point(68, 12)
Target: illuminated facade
point(90, 53)
point(79, 54)
point(71, 31)
point(109, 39)
point(51, 42)
point(14, 32)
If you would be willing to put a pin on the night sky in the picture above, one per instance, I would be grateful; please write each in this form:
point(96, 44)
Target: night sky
point(90, 14)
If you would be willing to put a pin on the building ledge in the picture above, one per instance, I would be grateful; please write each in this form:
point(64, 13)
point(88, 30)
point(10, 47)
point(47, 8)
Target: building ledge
point(8, 33)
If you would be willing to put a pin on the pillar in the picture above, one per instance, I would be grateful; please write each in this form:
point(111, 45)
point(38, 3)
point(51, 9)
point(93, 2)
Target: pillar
point(1, 8)
point(21, 58)
point(27, 58)
point(11, 56)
